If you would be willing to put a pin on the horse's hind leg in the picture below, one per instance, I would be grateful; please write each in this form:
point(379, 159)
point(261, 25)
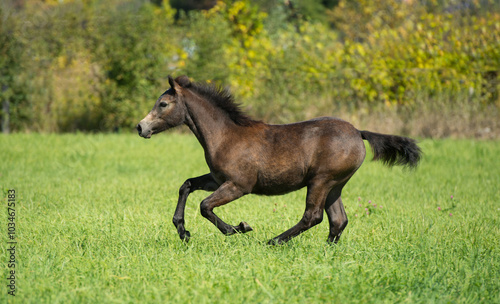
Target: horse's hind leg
point(204, 182)
point(336, 214)
point(226, 193)
point(316, 196)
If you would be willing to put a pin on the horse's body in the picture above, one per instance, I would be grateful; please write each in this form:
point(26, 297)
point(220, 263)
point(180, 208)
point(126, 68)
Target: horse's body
point(247, 156)
point(265, 153)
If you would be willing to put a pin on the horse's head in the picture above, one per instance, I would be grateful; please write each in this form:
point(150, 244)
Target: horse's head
point(169, 110)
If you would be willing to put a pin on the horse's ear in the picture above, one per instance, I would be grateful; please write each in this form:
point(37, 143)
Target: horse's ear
point(183, 81)
point(171, 81)
point(173, 84)
point(179, 82)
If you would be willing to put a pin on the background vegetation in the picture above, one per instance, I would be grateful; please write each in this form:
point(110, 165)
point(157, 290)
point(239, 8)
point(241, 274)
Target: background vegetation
point(94, 213)
point(426, 68)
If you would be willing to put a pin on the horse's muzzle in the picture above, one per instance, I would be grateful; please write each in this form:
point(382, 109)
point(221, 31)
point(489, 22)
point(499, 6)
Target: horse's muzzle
point(140, 131)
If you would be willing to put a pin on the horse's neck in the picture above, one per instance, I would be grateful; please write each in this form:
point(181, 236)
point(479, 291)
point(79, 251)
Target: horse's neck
point(207, 122)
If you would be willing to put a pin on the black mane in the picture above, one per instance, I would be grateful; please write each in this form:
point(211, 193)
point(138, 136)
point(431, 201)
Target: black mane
point(222, 98)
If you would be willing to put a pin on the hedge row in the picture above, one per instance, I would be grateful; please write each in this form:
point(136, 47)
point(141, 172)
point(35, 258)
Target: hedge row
point(100, 65)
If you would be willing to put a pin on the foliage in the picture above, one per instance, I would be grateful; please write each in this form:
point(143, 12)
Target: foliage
point(94, 225)
point(73, 65)
point(129, 45)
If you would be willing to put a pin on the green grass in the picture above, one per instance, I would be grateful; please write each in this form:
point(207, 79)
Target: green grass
point(94, 226)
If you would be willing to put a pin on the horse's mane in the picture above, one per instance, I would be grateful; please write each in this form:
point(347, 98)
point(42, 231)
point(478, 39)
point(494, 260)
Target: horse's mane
point(223, 99)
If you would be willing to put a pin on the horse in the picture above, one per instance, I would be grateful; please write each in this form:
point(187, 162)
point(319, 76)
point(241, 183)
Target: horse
point(247, 156)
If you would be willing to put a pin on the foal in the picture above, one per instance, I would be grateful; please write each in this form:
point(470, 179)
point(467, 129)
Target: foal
point(247, 156)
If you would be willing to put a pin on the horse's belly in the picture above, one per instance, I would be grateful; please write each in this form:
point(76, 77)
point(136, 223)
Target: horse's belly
point(279, 183)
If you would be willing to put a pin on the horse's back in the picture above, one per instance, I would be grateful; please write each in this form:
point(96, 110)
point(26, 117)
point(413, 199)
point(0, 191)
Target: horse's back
point(292, 154)
point(332, 144)
point(319, 133)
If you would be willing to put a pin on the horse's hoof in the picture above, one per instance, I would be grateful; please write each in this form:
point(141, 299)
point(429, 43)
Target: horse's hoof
point(334, 239)
point(186, 236)
point(273, 242)
point(244, 227)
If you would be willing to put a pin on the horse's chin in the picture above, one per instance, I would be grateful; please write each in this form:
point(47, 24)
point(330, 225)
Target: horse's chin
point(147, 135)
point(160, 129)
point(155, 131)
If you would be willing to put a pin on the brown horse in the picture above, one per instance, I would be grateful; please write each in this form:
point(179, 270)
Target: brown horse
point(247, 156)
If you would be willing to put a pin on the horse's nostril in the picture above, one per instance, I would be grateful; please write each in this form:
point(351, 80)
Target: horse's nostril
point(139, 129)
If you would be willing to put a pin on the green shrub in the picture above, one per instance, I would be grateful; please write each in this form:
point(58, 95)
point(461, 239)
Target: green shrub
point(99, 65)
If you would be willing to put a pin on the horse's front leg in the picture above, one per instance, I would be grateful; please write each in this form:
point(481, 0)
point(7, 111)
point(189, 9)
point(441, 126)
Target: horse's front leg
point(226, 193)
point(204, 182)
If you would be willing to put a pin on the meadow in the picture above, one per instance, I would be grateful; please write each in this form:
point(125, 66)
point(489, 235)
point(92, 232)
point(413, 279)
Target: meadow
point(93, 225)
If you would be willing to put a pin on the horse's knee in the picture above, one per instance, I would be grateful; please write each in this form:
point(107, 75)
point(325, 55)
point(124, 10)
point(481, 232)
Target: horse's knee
point(185, 188)
point(205, 209)
point(317, 219)
point(311, 219)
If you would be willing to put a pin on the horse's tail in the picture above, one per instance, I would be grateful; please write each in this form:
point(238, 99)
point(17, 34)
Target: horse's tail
point(393, 150)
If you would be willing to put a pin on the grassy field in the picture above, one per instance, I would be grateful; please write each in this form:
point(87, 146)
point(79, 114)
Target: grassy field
point(93, 225)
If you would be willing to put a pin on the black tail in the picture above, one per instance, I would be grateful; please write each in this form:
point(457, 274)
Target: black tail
point(393, 150)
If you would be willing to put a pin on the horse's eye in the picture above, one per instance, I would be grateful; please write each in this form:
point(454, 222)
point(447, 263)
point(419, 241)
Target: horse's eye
point(163, 104)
